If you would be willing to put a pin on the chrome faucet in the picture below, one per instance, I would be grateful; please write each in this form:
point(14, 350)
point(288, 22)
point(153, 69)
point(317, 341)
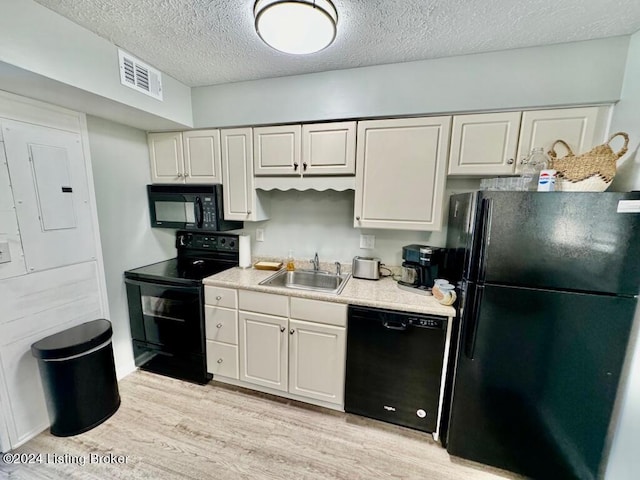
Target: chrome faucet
point(338, 268)
point(316, 262)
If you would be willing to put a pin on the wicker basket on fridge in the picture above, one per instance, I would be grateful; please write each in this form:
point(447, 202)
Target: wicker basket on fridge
point(592, 171)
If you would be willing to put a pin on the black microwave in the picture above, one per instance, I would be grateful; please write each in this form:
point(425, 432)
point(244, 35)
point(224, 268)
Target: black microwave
point(188, 207)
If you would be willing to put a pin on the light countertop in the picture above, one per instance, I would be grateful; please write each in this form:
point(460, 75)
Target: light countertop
point(383, 293)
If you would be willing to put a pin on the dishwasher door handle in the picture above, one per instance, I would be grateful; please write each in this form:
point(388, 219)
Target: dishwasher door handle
point(394, 325)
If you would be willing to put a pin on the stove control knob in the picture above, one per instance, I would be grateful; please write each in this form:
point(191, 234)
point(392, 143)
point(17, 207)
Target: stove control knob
point(232, 244)
point(185, 239)
point(223, 241)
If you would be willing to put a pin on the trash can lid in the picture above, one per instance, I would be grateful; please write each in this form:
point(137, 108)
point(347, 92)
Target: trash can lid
point(73, 341)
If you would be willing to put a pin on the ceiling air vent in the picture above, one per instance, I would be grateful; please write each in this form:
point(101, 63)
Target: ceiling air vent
point(139, 76)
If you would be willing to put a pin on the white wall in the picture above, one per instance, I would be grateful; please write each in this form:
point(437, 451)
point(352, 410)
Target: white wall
point(624, 461)
point(120, 160)
point(310, 221)
point(626, 117)
point(35, 39)
point(565, 74)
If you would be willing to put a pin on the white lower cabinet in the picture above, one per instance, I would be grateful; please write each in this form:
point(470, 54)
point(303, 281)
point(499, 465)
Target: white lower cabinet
point(316, 360)
point(222, 359)
point(221, 331)
point(288, 346)
point(264, 350)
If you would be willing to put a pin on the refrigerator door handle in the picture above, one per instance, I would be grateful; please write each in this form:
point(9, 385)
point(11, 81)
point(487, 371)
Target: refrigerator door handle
point(485, 236)
point(471, 329)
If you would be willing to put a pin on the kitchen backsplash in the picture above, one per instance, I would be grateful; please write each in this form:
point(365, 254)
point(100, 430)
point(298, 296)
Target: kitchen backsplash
point(308, 222)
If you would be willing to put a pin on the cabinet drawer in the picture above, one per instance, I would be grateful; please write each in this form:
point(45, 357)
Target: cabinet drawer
point(264, 303)
point(318, 311)
point(221, 297)
point(222, 359)
point(221, 324)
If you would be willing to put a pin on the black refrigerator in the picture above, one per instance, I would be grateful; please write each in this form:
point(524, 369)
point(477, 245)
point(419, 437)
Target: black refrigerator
point(548, 286)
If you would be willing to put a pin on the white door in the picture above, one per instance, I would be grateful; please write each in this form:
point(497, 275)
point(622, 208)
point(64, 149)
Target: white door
point(51, 195)
point(401, 165)
point(264, 348)
point(484, 144)
point(202, 156)
point(166, 157)
point(582, 128)
point(277, 150)
point(329, 148)
point(317, 361)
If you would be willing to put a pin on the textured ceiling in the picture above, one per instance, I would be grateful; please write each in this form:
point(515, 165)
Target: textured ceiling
point(206, 42)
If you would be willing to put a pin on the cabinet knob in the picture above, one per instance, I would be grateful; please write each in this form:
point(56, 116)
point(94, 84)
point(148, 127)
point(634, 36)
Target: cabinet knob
point(219, 360)
point(179, 175)
point(218, 297)
point(510, 161)
point(358, 218)
point(292, 331)
point(304, 166)
point(248, 212)
point(219, 325)
point(295, 166)
point(282, 329)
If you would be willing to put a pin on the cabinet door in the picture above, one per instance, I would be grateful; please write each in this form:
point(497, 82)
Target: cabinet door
point(277, 150)
point(329, 149)
point(582, 128)
point(165, 154)
point(264, 349)
point(241, 201)
point(202, 156)
point(484, 144)
point(317, 361)
point(401, 166)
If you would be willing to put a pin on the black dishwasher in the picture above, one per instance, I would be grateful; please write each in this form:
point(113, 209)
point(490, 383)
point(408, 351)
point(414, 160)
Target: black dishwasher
point(394, 366)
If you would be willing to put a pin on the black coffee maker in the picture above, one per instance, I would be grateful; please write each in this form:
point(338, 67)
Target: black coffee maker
point(420, 267)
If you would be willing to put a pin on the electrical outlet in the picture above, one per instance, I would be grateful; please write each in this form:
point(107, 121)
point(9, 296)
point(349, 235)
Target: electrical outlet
point(367, 241)
point(259, 235)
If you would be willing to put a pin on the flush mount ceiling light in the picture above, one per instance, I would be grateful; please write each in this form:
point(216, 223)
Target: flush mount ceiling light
point(298, 27)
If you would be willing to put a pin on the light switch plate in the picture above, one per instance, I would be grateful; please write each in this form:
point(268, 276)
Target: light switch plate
point(367, 241)
point(259, 235)
point(5, 254)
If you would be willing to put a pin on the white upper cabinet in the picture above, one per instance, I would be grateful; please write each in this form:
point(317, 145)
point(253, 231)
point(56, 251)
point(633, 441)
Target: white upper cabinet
point(484, 144)
point(165, 153)
point(316, 155)
point(202, 156)
point(329, 148)
point(241, 201)
point(582, 128)
point(185, 157)
point(277, 150)
point(401, 166)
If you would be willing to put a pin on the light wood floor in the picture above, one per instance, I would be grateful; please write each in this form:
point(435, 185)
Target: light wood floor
point(169, 429)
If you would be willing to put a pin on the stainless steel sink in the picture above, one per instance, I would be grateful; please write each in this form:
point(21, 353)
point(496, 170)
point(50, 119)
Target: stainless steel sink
point(317, 281)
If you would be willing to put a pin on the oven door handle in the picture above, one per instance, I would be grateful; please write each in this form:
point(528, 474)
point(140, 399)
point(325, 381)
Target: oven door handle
point(181, 288)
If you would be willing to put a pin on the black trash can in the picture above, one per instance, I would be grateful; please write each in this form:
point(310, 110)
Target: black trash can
point(78, 377)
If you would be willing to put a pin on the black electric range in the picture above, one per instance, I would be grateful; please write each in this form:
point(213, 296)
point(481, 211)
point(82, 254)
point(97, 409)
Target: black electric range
point(166, 305)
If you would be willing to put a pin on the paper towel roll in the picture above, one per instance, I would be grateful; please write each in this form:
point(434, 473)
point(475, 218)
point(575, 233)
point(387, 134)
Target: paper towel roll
point(245, 251)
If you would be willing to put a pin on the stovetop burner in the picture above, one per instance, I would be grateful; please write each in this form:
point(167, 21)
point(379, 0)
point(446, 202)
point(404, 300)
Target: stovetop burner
point(199, 256)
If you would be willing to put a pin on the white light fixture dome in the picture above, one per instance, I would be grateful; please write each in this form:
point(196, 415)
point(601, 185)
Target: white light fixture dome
point(298, 27)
